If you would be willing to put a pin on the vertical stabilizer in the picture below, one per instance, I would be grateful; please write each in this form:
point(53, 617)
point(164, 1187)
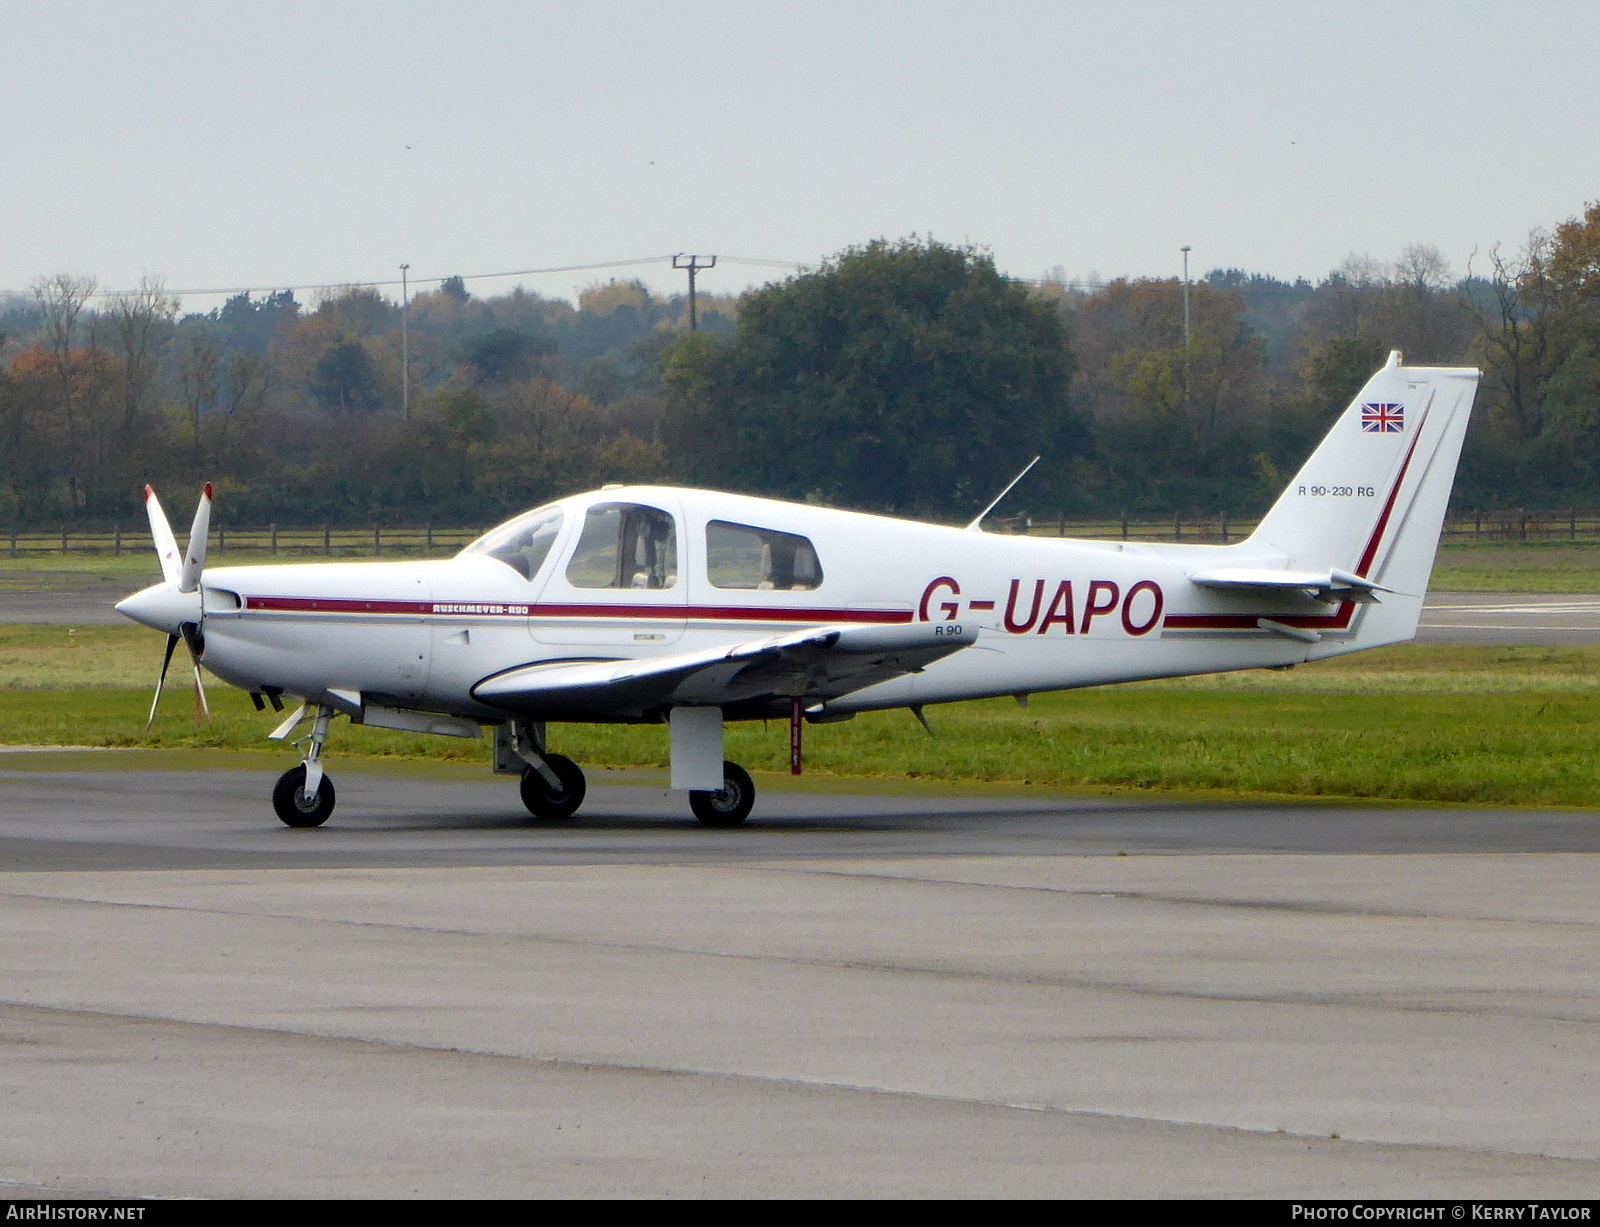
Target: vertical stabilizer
point(1372, 497)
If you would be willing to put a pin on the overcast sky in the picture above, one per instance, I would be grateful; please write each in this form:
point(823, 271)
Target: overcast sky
point(236, 144)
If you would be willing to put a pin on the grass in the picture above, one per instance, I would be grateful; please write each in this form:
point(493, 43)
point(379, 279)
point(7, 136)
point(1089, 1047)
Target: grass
point(1389, 724)
point(43, 657)
point(136, 570)
point(1517, 567)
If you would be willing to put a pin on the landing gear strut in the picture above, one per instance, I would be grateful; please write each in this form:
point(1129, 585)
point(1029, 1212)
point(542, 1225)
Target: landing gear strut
point(304, 796)
point(730, 805)
point(557, 801)
point(553, 786)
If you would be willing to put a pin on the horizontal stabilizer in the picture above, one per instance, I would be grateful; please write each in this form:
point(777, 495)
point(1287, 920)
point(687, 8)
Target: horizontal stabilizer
point(1330, 585)
point(816, 665)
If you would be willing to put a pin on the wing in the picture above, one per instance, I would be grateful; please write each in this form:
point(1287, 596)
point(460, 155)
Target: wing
point(817, 665)
point(1329, 585)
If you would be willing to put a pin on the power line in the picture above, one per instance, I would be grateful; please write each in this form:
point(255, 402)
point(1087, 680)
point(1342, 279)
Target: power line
point(600, 266)
point(520, 272)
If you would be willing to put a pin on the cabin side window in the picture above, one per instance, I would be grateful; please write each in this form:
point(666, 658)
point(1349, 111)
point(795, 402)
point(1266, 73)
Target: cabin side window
point(742, 556)
point(524, 543)
point(625, 545)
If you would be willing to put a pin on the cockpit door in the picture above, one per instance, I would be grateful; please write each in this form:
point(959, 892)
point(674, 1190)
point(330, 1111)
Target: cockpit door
point(619, 583)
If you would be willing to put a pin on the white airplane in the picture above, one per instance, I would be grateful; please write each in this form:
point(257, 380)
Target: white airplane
point(650, 604)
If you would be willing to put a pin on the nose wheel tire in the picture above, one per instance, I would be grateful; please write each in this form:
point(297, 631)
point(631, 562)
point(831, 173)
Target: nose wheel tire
point(729, 805)
point(294, 807)
point(553, 804)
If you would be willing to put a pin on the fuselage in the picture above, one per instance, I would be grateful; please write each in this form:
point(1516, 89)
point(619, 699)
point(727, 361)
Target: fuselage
point(643, 571)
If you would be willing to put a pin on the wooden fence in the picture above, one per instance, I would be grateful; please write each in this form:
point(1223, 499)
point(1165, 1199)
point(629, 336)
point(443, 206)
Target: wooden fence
point(412, 541)
point(1460, 528)
point(271, 540)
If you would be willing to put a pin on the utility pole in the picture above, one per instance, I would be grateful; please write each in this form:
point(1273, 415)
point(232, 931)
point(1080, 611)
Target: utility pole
point(405, 341)
point(692, 265)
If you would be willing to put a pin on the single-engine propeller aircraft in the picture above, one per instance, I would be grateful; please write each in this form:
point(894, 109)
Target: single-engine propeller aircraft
point(691, 608)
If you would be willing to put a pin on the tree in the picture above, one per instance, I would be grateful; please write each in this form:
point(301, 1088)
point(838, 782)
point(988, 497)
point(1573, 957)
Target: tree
point(504, 354)
point(1539, 342)
point(197, 381)
point(62, 299)
point(252, 325)
point(360, 310)
point(906, 376)
point(1176, 424)
point(343, 377)
point(140, 324)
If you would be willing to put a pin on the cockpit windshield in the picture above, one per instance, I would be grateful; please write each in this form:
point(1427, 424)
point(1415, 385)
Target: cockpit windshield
point(524, 543)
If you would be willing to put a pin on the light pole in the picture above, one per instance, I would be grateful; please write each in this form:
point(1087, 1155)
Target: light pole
point(1185, 251)
point(405, 340)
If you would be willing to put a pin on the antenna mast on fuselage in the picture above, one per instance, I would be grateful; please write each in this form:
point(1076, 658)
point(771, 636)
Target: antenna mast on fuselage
point(973, 527)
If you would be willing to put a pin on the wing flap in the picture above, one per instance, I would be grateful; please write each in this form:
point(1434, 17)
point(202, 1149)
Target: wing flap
point(816, 664)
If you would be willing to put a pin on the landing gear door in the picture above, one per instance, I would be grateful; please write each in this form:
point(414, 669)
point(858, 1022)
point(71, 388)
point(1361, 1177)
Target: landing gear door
point(619, 584)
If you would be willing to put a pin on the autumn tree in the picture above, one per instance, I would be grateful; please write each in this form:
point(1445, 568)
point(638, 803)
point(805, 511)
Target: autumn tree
point(907, 376)
point(343, 378)
point(62, 299)
point(1176, 420)
point(1544, 355)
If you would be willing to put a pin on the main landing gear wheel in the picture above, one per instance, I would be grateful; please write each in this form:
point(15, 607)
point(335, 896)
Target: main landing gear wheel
point(729, 805)
point(296, 809)
point(552, 804)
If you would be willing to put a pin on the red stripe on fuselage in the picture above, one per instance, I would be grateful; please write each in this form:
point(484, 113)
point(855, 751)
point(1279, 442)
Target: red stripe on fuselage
point(296, 604)
point(507, 609)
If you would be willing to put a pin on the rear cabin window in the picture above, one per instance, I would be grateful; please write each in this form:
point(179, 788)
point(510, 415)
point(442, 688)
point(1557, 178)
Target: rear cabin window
point(522, 544)
point(742, 556)
point(625, 545)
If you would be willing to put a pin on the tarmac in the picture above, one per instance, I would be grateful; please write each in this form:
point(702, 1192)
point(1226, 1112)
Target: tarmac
point(896, 992)
point(1499, 618)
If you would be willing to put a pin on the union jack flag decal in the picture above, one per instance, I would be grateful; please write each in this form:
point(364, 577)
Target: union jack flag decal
point(1383, 419)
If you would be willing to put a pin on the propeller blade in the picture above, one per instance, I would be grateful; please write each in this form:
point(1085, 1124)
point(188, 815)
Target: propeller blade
point(172, 642)
point(202, 709)
point(196, 643)
point(161, 533)
point(195, 560)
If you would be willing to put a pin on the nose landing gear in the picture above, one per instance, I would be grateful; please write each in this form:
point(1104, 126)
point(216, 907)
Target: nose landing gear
point(303, 795)
point(297, 806)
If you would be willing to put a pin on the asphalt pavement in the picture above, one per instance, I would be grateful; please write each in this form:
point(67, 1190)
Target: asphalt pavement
point(1497, 619)
point(891, 993)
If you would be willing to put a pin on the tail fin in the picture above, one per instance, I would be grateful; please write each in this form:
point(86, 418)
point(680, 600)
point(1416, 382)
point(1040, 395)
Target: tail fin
point(1371, 500)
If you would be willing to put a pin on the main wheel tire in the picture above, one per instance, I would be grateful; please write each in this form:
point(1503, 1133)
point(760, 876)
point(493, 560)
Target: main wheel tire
point(730, 805)
point(550, 804)
point(294, 807)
